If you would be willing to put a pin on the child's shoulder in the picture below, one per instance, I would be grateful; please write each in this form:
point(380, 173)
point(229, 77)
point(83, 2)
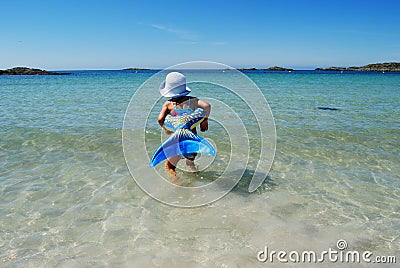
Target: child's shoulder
point(168, 104)
point(193, 99)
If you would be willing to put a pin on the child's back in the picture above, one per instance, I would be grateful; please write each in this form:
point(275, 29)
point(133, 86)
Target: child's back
point(179, 104)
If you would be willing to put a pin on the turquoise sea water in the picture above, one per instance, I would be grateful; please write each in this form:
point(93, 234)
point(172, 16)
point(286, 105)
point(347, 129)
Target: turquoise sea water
point(67, 198)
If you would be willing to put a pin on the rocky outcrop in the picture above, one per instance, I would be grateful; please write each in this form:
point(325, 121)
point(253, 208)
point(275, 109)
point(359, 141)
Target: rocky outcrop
point(273, 68)
point(328, 108)
point(375, 67)
point(382, 67)
point(277, 68)
point(135, 69)
point(248, 69)
point(332, 69)
point(28, 71)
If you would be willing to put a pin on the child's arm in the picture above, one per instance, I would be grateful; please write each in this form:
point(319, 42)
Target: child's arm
point(161, 117)
point(207, 108)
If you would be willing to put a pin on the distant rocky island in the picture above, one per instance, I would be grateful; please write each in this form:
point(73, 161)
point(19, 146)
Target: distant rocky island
point(375, 67)
point(247, 69)
point(135, 69)
point(28, 71)
point(277, 68)
point(273, 68)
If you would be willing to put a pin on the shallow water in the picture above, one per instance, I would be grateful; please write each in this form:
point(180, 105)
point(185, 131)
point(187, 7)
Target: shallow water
point(67, 198)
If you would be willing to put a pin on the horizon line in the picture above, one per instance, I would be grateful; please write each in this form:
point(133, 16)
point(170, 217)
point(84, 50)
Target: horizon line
point(254, 68)
point(300, 68)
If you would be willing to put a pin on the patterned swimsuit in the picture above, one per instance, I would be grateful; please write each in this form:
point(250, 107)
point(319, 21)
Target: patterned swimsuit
point(180, 112)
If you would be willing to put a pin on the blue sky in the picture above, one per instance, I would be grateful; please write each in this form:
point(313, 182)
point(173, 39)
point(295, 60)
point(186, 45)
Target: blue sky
point(89, 34)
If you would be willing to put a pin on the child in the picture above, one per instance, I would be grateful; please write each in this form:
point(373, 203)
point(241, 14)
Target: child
point(174, 87)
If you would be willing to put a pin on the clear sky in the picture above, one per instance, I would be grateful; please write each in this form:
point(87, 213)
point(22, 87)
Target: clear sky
point(94, 34)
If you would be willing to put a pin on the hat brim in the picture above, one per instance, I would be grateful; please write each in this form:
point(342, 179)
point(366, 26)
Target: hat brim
point(175, 95)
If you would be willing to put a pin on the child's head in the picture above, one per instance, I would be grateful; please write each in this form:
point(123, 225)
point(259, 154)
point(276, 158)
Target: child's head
point(174, 86)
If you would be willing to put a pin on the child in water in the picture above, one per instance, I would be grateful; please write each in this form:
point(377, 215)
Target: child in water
point(174, 87)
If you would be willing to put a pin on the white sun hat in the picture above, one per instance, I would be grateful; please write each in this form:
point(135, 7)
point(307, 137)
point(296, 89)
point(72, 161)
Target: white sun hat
point(174, 86)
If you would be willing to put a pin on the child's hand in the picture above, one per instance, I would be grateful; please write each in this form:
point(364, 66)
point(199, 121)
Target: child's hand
point(204, 125)
point(168, 132)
